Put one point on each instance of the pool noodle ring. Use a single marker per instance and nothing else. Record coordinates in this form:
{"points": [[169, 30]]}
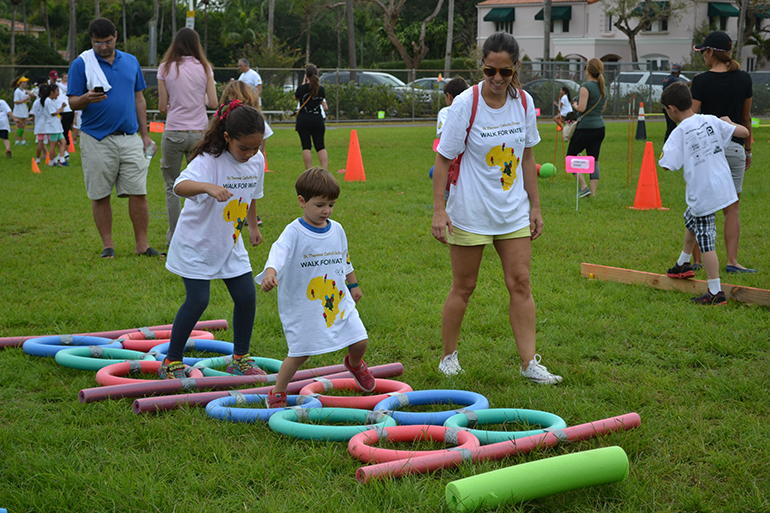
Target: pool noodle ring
{"points": [[469, 419], [471, 400], [269, 365], [211, 346], [49, 346], [227, 408], [385, 387], [113, 374], [93, 358], [287, 422], [360, 446], [145, 340]]}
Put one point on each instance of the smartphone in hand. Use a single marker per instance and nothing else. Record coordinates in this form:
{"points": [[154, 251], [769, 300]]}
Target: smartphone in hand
{"points": [[99, 89]]}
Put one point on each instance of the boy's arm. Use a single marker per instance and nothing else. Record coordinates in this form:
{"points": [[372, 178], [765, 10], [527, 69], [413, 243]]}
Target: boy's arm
{"points": [[740, 130], [270, 280], [255, 237], [355, 290]]}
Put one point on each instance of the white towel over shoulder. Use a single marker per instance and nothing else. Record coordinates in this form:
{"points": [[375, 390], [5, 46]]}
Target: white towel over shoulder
{"points": [[94, 74]]}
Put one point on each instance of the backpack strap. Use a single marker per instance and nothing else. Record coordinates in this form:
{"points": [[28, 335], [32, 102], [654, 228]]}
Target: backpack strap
{"points": [[474, 107], [523, 101]]}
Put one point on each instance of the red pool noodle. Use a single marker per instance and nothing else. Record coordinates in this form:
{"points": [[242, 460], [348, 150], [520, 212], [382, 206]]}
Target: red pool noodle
{"points": [[169, 402], [497, 451], [220, 324]]}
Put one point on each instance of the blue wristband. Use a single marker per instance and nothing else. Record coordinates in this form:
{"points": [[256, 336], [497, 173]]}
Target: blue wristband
{"points": [[351, 286]]}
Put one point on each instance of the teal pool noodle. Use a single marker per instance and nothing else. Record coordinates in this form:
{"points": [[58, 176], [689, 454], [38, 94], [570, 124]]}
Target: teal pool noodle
{"points": [[527, 481]]}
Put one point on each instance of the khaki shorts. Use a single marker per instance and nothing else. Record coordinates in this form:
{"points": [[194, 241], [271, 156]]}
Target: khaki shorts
{"points": [[463, 238], [116, 160]]}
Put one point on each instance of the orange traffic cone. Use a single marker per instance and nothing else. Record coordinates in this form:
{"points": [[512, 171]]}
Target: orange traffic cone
{"points": [[647, 190], [641, 130], [47, 159], [267, 169], [71, 147], [439, 77], [35, 168], [354, 170]]}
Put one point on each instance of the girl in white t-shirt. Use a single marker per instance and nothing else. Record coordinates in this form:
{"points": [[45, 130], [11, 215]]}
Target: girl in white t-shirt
{"points": [[50, 109], [565, 105], [493, 201], [5, 126], [20, 98], [221, 185]]}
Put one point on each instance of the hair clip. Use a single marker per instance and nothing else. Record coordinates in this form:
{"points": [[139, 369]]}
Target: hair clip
{"points": [[226, 108]]}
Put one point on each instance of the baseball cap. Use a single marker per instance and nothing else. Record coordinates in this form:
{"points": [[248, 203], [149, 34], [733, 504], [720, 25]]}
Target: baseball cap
{"points": [[22, 79], [676, 67], [53, 74], [717, 41]]}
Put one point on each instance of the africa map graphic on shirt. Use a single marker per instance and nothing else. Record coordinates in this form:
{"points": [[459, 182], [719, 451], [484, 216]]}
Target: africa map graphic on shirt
{"points": [[507, 161], [235, 212], [326, 291]]}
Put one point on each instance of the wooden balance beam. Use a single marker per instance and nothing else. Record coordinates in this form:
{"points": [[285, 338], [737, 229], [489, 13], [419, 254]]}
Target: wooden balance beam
{"points": [[747, 295]]}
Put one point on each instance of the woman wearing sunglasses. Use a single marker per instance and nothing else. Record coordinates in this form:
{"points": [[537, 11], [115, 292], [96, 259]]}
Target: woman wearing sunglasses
{"points": [[589, 133], [493, 201]]}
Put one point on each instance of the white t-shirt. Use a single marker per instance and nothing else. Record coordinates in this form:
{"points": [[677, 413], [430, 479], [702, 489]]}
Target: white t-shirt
{"points": [[52, 119], [489, 197], [20, 110], [317, 311], [698, 144], [63, 96], [5, 123], [564, 106], [441, 120], [41, 124], [252, 78], [207, 242]]}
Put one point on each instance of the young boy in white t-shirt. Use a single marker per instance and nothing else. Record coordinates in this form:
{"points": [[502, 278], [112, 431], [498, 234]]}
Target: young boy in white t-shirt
{"points": [[698, 145], [309, 264], [451, 90]]}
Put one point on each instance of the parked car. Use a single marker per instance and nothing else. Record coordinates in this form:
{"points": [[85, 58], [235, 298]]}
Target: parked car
{"points": [[373, 78], [544, 91], [428, 83], [646, 84]]}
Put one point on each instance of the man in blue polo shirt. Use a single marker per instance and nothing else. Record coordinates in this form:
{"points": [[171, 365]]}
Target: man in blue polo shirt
{"points": [[107, 84]]}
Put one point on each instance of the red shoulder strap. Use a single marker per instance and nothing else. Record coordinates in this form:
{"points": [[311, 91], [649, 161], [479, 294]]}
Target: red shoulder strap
{"points": [[523, 101], [474, 107]]}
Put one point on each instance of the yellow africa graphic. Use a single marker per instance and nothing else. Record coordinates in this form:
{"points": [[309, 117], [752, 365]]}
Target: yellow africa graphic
{"points": [[326, 291], [235, 212], [507, 161]]}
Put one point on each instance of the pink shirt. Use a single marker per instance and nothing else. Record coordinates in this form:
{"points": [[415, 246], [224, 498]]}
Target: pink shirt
{"points": [[186, 94]]}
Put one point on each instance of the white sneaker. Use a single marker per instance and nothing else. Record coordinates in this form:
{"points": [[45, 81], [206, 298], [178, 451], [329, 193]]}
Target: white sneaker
{"points": [[539, 374], [449, 365]]}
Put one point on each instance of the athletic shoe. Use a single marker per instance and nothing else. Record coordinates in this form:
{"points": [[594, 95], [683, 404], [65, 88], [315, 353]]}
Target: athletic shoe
{"points": [[259, 221], [710, 299], [584, 192], [16, 143], [64, 163], [276, 400], [171, 370], [362, 375], [244, 366], [697, 267], [539, 374], [23, 143], [681, 271], [449, 365], [8, 153]]}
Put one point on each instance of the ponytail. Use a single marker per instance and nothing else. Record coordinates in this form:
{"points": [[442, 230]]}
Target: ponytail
{"points": [[311, 72], [595, 68]]}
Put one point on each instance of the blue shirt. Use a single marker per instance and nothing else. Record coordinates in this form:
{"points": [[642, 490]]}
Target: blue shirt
{"points": [[118, 111]]}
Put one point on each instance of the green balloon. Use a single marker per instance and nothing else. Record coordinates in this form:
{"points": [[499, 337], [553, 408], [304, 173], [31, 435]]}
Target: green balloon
{"points": [[547, 170]]}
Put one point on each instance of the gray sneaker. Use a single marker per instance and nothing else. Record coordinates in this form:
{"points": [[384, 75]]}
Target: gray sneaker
{"points": [[584, 192], [449, 365], [539, 374]]}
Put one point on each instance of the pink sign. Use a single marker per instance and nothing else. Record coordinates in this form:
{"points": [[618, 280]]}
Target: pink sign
{"points": [[435, 144], [537, 112], [579, 164]]}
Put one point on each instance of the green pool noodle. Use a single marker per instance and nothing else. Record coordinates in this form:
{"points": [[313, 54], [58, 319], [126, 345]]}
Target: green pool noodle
{"points": [[528, 481]]}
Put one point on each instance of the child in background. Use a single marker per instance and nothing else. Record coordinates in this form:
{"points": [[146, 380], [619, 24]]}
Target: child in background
{"points": [[222, 184], [5, 126], [451, 90], [565, 105], [309, 264], [20, 98], [40, 129], [50, 109], [239, 90], [698, 144]]}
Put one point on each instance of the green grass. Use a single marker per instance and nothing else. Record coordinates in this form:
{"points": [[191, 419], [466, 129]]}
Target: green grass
{"points": [[697, 376]]}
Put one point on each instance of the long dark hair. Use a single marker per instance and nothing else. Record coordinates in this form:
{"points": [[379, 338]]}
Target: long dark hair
{"points": [[186, 43], [237, 120], [311, 72], [503, 42], [44, 91]]}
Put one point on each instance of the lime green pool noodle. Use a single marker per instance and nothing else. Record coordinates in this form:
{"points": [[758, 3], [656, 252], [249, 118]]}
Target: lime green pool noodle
{"points": [[527, 481]]}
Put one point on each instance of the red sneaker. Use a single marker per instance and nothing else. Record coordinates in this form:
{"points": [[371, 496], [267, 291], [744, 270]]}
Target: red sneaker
{"points": [[362, 375]]}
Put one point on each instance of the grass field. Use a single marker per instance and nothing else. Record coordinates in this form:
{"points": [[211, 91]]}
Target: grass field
{"points": [[697, 376]]}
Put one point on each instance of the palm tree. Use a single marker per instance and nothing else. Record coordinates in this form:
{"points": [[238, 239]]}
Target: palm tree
{"points": [[72, 39], [450, 28], [15, 4]]}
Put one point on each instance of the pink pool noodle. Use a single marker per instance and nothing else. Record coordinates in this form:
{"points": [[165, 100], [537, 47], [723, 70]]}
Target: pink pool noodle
{"points": [[497, 451]]}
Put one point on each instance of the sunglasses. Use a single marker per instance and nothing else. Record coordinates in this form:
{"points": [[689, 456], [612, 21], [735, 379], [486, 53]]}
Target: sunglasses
{"points": [[504, 72]]}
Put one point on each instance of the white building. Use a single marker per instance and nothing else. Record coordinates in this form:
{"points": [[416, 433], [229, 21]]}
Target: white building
{"points": [[581, 29]]}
